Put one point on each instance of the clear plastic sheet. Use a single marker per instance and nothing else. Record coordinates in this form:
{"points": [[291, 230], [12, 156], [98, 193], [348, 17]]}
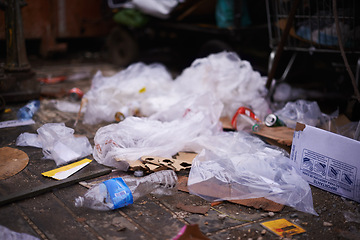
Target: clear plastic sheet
{"points": [[135, 137], [302, 111], [150, 89], [239, 166], [230, 79], [156, 8], [7, 234], [128, 88], [58, 143]]}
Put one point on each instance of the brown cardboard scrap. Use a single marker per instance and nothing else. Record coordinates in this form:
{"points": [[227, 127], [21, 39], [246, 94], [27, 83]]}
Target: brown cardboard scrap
{"points": [[257, 203], [260, 203], [182, 160], [282, 135], [190, 232], [226, 123], [12, 161], [194, 209]]}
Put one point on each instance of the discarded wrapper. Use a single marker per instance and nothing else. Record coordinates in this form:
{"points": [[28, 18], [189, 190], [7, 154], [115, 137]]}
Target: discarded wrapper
{"points": [[283, 227], [66, 171]]}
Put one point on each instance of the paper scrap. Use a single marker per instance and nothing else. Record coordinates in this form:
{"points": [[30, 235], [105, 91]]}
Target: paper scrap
{"points": [[16, 123], [283, 227], [66, 171]]}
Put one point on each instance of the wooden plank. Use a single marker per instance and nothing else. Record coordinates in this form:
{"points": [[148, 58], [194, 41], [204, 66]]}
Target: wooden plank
{"points": [[53, 219], [109, 224], [31, 192], [12, 218]]}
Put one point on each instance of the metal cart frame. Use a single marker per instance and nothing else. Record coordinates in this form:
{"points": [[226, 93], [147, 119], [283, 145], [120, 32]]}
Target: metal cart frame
{"points": [[311, 26]]}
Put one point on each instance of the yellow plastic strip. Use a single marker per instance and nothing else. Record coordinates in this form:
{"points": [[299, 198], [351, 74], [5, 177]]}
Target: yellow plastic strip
{"points": [[66, 171]]}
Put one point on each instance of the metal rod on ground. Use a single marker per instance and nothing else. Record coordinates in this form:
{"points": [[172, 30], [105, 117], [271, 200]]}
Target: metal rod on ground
{"points": [[32, 192]]}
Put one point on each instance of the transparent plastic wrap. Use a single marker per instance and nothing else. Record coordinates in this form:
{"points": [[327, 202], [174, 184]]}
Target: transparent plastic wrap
{"points": [[128, 88], [351, 130], [302, 111], [230, 79], [239, 166], [206, 103], [135, 137], [156, 8], [7, 234], [58, 143], [150, 89]]}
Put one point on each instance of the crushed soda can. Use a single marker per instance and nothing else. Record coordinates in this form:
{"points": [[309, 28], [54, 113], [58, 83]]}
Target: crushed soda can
{"points": [[75, 94], [272, 120]]}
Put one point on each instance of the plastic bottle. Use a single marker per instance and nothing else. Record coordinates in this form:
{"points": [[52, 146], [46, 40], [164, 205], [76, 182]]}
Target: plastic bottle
{"points": [[120, 192], [28, 111]]}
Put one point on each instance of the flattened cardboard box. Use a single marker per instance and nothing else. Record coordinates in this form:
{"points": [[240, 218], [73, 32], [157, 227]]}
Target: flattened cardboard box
{"points": [[327, 160]]}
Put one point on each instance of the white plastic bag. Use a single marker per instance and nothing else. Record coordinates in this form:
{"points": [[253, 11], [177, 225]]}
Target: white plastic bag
{"points": [[230, 79], [156, 8], [57, 142], [135, 137], [302, 111], [150, 89], [239, 166], [128, 88], [7, 234]]}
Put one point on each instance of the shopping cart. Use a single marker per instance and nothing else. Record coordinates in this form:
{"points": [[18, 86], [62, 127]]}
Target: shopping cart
{"points": [[312, 26]]}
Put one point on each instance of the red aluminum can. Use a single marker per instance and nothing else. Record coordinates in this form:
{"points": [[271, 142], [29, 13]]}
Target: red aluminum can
{"points": [[75, 94]]}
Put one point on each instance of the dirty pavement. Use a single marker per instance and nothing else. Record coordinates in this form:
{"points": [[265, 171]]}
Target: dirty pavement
{"points": [[154, 150]]}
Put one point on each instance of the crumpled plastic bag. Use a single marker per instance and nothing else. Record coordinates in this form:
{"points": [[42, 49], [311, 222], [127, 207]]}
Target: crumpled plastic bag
{"points": [[231, 79], [7, 234], [206, 103], [135, 137], [303, 111], [124, 90], [236, 165], [150, 89], [155, 8], [58, 143]]}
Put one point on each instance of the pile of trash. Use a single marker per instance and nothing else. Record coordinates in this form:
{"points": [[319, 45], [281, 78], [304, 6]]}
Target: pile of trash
{"points": [[150, 89], [162, 116]]}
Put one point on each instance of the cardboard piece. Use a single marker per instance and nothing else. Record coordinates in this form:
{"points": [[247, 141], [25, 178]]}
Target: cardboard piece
{"points": [[327, 160], [12, 161], [182, 160], [190, 232], [282, 135], [193, 209], [283, 227], [257, 203]]}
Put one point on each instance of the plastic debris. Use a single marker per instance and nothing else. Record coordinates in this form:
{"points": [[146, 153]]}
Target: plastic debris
{"points": [[28, 111], [120, 192], [302, 111], [150, 89], [58, 143], [6, 233], [156, 8], [242, 166], [191, 231]]}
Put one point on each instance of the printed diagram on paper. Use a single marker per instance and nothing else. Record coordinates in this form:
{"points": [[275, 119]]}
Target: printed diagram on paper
{"points": [[329, 173]]}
